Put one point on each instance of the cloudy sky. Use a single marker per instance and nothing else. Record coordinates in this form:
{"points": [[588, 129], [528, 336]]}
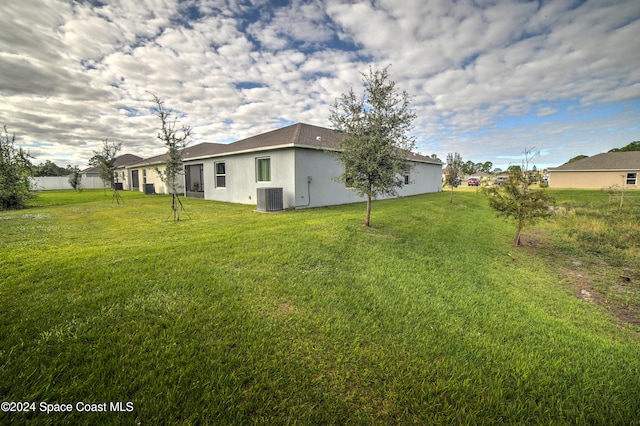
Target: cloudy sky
{"points": [[488, 78]]}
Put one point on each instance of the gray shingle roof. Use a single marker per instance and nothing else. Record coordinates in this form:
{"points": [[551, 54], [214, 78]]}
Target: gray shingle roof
{"points": [[608, 161], [297, 135], [121, 161], [204, 148]]}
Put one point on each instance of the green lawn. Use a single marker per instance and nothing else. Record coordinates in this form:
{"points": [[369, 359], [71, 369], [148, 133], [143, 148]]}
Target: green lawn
{"points": [[307, 317]]}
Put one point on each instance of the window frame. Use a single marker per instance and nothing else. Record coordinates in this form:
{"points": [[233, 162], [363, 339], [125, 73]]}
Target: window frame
{"points": [[407, 179], [632, 178], [259, 160], [218, 175]]}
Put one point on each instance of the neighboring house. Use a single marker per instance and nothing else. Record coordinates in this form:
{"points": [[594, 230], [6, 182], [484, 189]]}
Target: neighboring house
{"points": [[600, 171], [295, 159], [144, 176], [120, 164]]}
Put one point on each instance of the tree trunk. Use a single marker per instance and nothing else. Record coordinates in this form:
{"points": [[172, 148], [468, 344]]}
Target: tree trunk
{"points": [[451, 199], [516, 242], [367, 222], [174, 206]]}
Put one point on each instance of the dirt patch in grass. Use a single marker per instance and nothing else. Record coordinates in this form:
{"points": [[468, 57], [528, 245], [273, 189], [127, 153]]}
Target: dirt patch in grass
{"points": [[590, 278], [586, 284]]}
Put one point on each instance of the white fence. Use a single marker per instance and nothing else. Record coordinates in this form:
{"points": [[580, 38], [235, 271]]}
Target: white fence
{"points": [[45, 183]]}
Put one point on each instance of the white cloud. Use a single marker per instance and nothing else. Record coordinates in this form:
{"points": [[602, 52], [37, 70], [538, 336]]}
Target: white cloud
{"points": [[74, 74]]}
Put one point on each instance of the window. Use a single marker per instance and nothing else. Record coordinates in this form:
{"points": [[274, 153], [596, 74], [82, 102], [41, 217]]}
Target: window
{"points": [[632, 178], [263, 166], [406, 179], [144, 176], [221, 175]]}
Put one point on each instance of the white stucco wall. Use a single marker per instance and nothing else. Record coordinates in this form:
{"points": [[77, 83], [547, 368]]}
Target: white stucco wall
{"points": [[290, 169], [241, 176], [324, 190]]}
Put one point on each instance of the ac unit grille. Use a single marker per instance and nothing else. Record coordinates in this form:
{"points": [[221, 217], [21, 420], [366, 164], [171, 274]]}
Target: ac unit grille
{"points": [[270, 199]]}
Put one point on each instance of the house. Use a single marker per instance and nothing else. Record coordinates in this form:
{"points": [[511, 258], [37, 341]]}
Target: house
{"points": [[121, 162], [295, 162], [600, 171], [144, 176]]}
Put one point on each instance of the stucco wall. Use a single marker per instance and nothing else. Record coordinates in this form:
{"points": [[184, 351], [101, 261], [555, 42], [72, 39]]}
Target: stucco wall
{"points": [[324, 190], [290, 169], [153, 177], [241, 180], [589, 180]]}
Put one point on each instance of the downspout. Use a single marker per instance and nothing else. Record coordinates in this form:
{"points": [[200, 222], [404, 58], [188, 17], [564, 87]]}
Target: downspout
{"points": [[308, 193]]}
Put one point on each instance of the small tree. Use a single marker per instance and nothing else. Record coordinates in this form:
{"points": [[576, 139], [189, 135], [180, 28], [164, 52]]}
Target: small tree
{"points": [[75, 178], [105, 160], [452, 175], [375, 151], [15, 171], [175, 139], [516, 200]]}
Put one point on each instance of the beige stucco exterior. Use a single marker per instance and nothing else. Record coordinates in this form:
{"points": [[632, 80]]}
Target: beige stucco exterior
{"points": [[591, 179], [149, 175]]}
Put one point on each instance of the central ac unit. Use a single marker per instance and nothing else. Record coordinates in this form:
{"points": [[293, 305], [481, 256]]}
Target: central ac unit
{"points": [[270, 199]]}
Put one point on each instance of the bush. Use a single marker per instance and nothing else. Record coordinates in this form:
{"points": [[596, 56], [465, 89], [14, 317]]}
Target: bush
{"points": [[15, 170]]}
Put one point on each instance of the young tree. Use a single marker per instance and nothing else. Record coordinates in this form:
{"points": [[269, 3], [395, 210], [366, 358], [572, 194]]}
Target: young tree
{"points": [[452, 175], [375, 151], [15, 171], [75, 178], [516, 200], [105, 160], [176, 140]]}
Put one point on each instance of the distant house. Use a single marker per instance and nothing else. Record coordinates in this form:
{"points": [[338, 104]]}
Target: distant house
{"points": [[599, 171], [294, 162], [144, 177], [120, 164]]}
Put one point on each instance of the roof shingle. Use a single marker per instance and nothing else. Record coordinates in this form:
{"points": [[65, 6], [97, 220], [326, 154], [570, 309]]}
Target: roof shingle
{"points": [[610, 161]]}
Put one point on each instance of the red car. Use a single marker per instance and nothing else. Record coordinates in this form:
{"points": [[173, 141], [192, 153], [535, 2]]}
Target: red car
{"points": [[473, 182]]}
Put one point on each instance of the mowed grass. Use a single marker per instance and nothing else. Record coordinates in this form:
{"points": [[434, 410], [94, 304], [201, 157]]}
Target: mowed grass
{"points": [[305, 317]]}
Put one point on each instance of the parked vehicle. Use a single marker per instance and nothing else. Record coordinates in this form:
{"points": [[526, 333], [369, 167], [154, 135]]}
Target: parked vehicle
{"points": [[473, 181], [500, 180]]}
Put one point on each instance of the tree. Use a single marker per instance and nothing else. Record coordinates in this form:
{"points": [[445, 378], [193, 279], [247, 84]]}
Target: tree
{"points": [[49, 168], [576, 158], [105, 160], [633, 146], [15, 171], [452, 174], [75, 178], [375, 151], [468, 168], [175, 139], [486, 167], [516, 200]]}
